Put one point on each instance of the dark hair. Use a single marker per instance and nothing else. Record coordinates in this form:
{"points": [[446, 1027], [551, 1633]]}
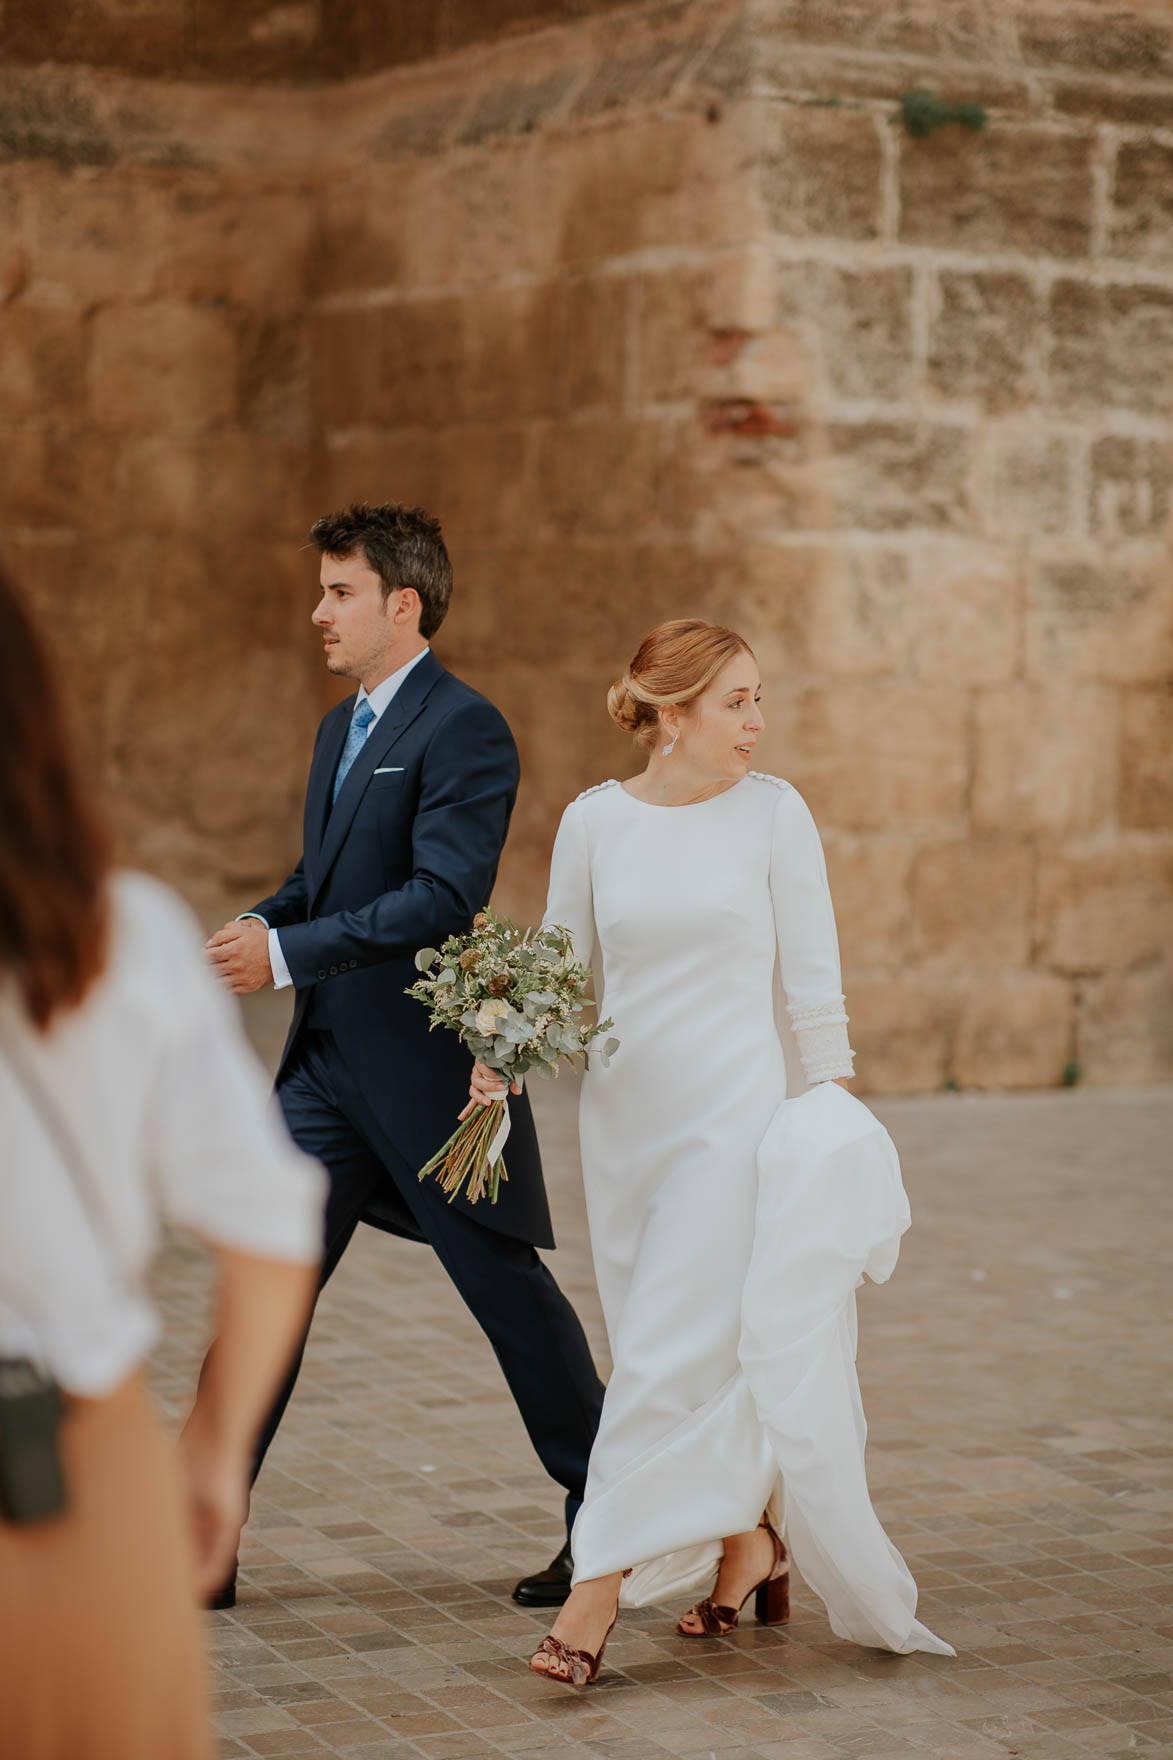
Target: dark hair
{"points": [[403, 545], [54, 852]]}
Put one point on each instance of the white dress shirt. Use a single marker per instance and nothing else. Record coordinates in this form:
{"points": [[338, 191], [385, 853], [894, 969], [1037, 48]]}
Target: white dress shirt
{"points": [[379, 699], [172, 1117]]}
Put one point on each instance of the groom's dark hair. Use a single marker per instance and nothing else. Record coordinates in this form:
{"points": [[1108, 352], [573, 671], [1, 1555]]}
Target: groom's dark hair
{"points": [[403, 546]]}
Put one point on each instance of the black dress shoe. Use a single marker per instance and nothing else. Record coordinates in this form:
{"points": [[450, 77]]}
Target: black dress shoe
{"points": [[548, 1588], [224, 1596]]}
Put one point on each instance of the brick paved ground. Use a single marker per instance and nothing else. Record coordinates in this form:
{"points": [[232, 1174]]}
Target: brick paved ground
{"points": [[1016, 1378]]}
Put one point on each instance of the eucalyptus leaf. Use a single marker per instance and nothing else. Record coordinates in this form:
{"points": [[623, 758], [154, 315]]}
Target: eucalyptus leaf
{"points": [[447, 976], [427, 956]]}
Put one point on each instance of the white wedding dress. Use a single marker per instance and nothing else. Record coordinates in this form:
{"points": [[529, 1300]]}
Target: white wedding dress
{"points": [[729, 1224]]}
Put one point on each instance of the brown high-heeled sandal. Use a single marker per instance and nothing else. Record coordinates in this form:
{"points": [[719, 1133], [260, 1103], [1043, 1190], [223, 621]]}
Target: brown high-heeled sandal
{"points": [[771, 1599], [576, 1668], [579, 1668]]}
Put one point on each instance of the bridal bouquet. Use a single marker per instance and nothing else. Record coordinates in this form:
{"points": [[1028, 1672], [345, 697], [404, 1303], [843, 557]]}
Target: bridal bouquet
{"points": [[515, 999]]}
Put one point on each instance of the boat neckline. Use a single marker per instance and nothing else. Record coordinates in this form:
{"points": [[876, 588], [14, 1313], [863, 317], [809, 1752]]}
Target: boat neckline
{"points": [[682, 806]]}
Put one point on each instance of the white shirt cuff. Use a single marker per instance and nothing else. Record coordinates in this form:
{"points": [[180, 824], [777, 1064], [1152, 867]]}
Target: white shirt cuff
{"points": [[281, 977]]}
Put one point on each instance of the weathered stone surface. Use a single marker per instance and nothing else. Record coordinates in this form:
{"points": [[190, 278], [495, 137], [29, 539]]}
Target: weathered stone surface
{"points": [[900, 476], [219, 484], [942, 612], [645, 73], [513, 109], [169, 364], [984, 337], [858, 617], [1030, 480], [1014, 1031], [662, 180], [594, 477], [1134, 41], [965, 622], [42, 359], [869, 887], [753, 469], [1109, 619], [1099, 101], [1131, 490], [821, 173], [420, 370], [914, 736], [971, 904], [1146, 760], [1106, 909], [253, 38], [764, 591], [204, 227], [495, 232], [273, 376], [1124, 1027], [918, 27], [962, 190], [1105, 340], [708, 329], [1142, 203], [1046, 758], [902, 1030], [857, 325], [40, 475]]}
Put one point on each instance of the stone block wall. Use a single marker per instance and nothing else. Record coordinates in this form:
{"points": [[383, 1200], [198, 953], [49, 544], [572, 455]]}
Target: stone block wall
{"points": [[983, 564], [155, 451], [664, 313]]}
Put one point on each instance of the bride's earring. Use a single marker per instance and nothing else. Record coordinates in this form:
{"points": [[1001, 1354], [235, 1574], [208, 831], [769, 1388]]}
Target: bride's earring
{"points": [[668, 750]]}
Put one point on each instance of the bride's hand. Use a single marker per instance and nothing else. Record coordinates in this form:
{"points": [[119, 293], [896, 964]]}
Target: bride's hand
{"points": [[486, 1087]]}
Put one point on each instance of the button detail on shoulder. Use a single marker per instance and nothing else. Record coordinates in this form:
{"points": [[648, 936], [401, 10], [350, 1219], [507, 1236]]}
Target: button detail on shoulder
{"points": [[611, 782], [777, 781]]}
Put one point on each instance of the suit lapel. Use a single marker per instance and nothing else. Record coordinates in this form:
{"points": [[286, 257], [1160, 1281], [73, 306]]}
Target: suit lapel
{"points": [[321, 777], [409, 702]]}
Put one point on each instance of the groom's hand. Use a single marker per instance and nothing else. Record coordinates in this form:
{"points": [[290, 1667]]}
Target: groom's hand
{"points": [[239, 954]]}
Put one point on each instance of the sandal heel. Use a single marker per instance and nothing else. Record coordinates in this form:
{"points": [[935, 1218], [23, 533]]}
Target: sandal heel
{"points": [[772, 1601]]}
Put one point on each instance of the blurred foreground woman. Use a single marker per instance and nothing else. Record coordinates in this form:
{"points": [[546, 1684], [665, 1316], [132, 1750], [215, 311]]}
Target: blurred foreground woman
{"points": [[128, 1096]]}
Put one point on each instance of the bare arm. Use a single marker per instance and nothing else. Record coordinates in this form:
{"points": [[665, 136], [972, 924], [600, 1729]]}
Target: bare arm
{"points": [[261, 1312]]}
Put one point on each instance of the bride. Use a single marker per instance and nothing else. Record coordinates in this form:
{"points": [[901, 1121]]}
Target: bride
{"points": [[693, 883]]}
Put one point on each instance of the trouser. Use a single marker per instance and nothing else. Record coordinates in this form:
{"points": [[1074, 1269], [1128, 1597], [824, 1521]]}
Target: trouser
{"points": [[537, 1336]]}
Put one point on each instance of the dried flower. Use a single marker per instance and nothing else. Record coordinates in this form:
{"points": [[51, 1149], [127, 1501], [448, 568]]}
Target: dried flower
{"points": [[530, 1020]]}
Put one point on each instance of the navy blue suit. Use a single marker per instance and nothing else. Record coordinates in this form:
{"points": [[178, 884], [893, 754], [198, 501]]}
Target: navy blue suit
{"points": [[405, 857]]}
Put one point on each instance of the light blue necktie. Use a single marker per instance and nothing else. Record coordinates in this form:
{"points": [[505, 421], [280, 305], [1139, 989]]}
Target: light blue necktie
{"points": [[356, 739]]}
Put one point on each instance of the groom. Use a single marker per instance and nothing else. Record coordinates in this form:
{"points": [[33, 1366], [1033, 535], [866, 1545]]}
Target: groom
{"points": [[411, 787]]}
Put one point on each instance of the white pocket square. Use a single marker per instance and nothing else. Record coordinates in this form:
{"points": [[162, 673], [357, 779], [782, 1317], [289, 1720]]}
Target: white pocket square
{"points": [[389, 770]]}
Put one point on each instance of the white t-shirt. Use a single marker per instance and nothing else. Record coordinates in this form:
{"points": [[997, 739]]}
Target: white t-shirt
{"points": [[170, 1111]]}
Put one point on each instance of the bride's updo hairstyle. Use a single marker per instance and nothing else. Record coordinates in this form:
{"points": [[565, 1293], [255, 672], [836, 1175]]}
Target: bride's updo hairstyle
{"points": [[672, 666]]}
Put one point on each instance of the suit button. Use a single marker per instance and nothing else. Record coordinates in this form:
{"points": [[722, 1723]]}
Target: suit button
{"points": [[333, 971], [354, 965], [321, 974]]}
